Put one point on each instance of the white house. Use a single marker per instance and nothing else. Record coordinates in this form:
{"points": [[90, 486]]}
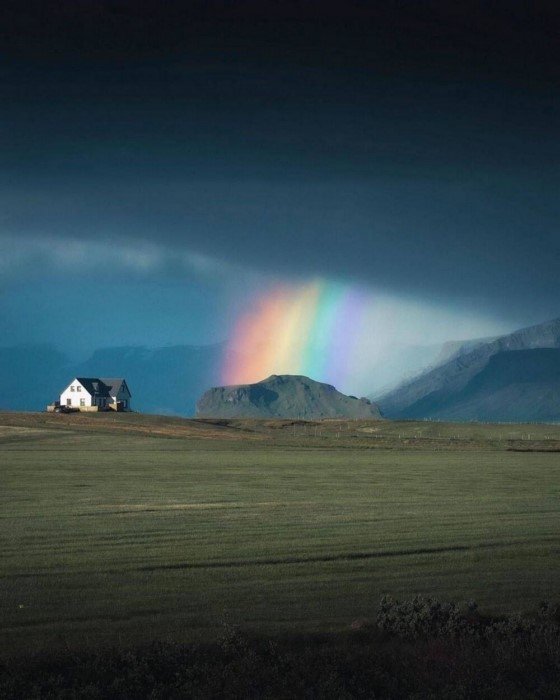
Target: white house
{"points": [[96, 394]]}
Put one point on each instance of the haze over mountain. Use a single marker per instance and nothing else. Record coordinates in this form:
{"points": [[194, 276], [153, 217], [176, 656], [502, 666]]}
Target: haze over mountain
{"points": [[399, 362], [283, 396], [513, 377]]}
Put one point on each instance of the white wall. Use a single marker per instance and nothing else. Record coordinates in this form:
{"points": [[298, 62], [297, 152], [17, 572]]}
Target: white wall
{"points": [[75, 396]]}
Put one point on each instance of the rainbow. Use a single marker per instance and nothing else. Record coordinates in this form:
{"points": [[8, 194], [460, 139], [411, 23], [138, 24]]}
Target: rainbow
{"points": [[317, 329]]}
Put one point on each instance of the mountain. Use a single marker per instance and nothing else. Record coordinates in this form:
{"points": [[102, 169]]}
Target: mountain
{"points": [[455, 348], [165, 381], [283, 396], [445, 391], [30, 376], [162, 380], [516, 386]]}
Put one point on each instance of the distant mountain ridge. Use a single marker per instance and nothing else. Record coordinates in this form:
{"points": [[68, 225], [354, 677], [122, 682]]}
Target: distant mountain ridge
{"points": [[473, 383], [163, 380], [283, 396], [517, 386], [31, 375], [441, 391], [454, 348]]}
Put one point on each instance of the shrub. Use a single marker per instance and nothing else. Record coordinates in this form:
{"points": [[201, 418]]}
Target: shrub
{"points": [[426, 649], [427, 617]]}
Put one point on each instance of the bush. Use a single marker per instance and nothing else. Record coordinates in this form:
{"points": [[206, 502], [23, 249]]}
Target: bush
{"points": [[427, 618], [422, 649]]}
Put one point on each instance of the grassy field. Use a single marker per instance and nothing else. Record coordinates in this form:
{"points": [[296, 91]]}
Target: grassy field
{"points": [[121, 529]]}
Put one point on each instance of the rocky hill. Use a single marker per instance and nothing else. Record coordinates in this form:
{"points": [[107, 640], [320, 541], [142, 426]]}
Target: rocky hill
{"points": [[442, 392], [283, 396]]}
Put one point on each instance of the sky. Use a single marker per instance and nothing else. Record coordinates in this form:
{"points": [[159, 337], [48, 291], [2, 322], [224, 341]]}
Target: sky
{"points": [[165, 166]]}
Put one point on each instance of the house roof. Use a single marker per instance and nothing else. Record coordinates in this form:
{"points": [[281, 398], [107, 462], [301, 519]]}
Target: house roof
{"points": [[94, 386], [105, 386], [113, 383]]}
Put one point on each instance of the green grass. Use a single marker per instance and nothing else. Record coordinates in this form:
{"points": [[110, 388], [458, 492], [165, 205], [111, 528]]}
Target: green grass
{"points": [[124, 538]]}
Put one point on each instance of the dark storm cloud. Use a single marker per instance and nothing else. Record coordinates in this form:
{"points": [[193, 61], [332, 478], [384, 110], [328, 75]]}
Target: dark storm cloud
{"points": [[413, 146]]}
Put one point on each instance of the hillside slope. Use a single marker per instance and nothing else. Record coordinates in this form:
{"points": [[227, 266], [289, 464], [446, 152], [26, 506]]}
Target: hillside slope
{"points": [[448, 391], [283, 396], [522, 385]]}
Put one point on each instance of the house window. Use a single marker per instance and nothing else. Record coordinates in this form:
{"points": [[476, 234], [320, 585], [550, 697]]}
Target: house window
{"points": [[68, 402], [72, 388], [78, 388], [82, 402]]}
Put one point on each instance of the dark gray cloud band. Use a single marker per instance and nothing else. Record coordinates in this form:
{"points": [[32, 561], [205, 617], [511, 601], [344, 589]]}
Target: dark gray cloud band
{"points": [[414, 152]]}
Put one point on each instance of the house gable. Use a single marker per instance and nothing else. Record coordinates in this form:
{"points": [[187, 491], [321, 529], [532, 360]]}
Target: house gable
{"points": [[79, 393], [79, 385]]}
